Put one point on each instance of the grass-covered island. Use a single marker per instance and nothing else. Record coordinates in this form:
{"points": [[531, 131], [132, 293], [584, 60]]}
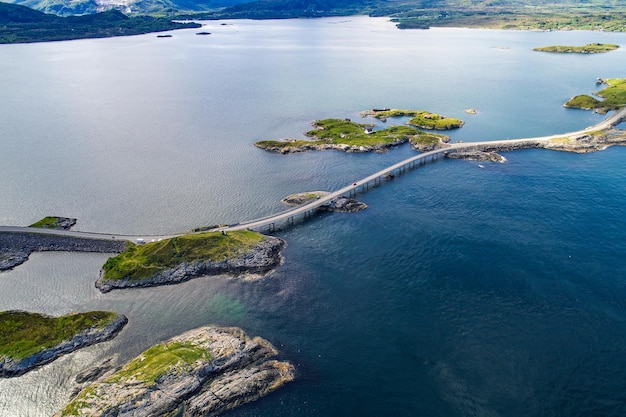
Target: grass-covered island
{"points": [[419, 118], [614, 97], [348, 136], [591, 48], [28, 340], [202, 372], [181, 258]]}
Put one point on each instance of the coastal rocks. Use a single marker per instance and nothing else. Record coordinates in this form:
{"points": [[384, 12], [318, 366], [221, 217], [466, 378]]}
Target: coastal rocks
{"points": [[477, 156], [16, 247], [260, 259], [299, 146], [12, 368], [301, 198], [344, 205], [588, 142], [201, 372]]}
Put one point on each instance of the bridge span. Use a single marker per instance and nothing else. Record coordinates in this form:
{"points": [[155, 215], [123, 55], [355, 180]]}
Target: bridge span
{"points": [[415, 162], [350, 190]]}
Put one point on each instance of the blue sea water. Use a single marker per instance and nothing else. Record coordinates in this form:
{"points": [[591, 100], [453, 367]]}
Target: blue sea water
{"points": [[465, 289]]}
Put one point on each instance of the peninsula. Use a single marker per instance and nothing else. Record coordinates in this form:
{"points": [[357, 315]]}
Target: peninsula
{"points": [[614, 97], [181, 258], [29, 340], [202, 372]]}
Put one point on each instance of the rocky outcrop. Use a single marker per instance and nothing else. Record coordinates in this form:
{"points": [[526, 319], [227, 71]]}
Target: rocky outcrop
{"points": [[222, 369], [16, 247], [590, 142], [260, 259], [477, 156], [299, 147], [12, 368], [301, 198], [344, 205]]}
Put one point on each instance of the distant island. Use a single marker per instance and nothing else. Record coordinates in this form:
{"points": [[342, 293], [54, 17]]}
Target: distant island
{"points": [[614, 97], [29, 340], [202, 372], [591, 48], [348, 136], [179, 259]]}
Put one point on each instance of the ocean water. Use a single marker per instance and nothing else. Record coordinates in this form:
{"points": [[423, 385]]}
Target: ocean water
{"points": [[464, 289]]}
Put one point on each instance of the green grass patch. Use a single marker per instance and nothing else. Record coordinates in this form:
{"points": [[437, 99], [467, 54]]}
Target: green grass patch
{"points": [[421, 118], [159, 360], [147, 368], [346, 132], [614, 97], [47, 222], [139, 262], [592, 48], [23, 334], [427, 139]]}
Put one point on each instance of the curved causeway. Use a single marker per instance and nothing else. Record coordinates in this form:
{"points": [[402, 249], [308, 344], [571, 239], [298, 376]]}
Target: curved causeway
{"points": [[423, 158], [363, 184]]}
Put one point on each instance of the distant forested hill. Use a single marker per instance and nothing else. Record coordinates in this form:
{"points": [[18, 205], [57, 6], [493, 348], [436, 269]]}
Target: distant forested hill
{"points": [[408, 14], [20, 24]]}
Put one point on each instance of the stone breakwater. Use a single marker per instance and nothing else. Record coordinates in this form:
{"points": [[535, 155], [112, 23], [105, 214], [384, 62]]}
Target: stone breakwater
{"points": [[12, 368], [233, 369], [15, 248], [260, 259]]}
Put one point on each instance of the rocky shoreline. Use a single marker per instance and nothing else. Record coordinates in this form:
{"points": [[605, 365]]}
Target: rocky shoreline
{"points": [[227, 368], [12, 368], [300, 147], [260, 259], [15, 248]]}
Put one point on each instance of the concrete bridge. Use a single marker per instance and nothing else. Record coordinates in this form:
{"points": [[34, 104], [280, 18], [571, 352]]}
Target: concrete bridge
{"points": [[289, 216], [415, 162]]}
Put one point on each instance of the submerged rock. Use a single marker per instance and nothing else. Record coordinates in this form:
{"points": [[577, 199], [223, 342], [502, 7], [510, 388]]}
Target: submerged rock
{"points": [[201, 372]]}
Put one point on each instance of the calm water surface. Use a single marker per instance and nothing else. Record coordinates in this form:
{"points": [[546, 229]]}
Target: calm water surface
{"points": [[463, 290]]}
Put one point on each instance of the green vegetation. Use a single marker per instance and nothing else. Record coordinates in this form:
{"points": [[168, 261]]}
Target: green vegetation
{"points": [[48, 222], [346, 132], [23, 334], [161, 359], [19, 24], [592, 48], [421, 119], [614, 97], [139, 262]]}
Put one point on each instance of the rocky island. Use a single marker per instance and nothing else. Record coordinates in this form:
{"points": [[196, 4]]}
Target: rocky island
{"points": [[202, 372], [591, 48], [29, 340], [348, 136], [340, 204], [179, 259]]}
